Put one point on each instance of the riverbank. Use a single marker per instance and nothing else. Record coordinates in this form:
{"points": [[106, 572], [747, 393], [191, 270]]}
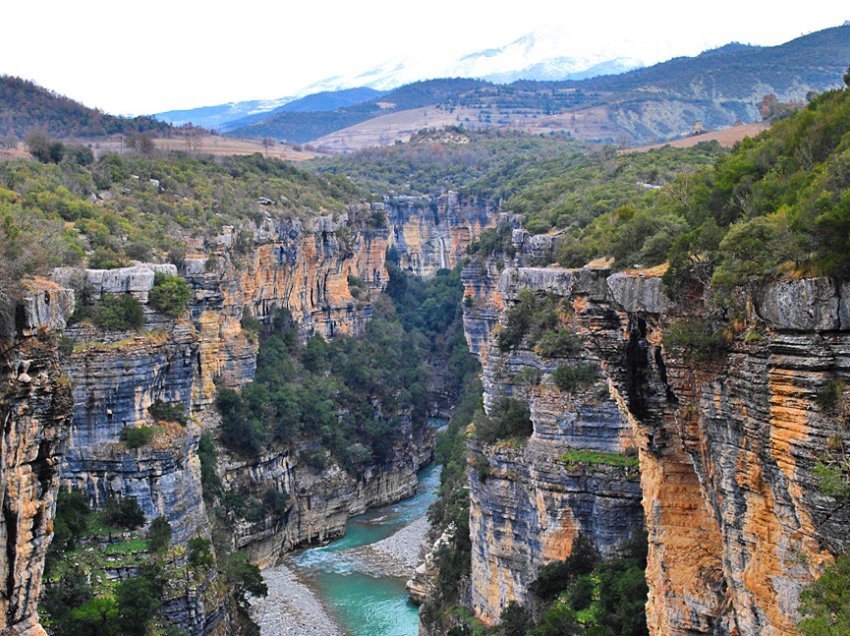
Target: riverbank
{"points": [[291, 608], [354, 586]]}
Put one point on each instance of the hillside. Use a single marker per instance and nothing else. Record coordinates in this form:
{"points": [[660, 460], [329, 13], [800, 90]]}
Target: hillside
{"points": [[719, 87], [26, 106], [305, 126]]}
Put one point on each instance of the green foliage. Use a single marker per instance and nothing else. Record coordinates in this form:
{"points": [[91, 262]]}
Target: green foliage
{"points": [[591, 457], [123, 512], [701, 339], [557, 576], [117, 312], [44, 149], [243, 578], [137, 436], [583, 595], [569, 378], [558, 344], [830, 394], [208, 457], [825, 603], [514, 620], [832, 480], [159, 534], [138, 603], [71, 521], [168, 412], [532, 314], [200, 553], [508, 418], [170, 294]]}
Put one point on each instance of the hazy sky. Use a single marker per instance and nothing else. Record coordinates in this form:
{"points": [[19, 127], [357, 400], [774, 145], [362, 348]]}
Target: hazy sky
{"points": [[153, 55]]}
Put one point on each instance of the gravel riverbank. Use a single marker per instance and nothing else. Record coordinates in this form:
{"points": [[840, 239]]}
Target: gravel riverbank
{"points": [[291, 608]]}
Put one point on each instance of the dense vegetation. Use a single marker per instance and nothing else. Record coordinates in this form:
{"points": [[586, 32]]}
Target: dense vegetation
{"points": [[122, 208], [81, 599], [473, 162], [27, 107]]}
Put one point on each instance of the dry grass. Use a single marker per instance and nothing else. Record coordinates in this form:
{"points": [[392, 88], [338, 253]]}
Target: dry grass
{"points": [[727, 137]]}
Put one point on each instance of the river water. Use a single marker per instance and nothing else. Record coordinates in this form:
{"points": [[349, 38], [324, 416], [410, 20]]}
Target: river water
{"points": [[359, 581]]}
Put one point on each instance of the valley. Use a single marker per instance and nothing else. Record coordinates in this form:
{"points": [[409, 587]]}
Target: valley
{"points": [[554, 357]]}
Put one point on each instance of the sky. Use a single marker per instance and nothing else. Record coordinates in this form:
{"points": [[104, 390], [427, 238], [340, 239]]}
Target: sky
{"points": [[154, 55]]}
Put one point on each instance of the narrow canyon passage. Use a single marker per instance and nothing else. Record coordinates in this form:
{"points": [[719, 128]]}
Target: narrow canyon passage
{"points": [[354, 585]]}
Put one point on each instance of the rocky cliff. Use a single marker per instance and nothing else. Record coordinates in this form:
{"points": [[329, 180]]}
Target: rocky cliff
{"points": [[35, 407], [732, 445], [530, 500], [324, 270], [431, 233]]}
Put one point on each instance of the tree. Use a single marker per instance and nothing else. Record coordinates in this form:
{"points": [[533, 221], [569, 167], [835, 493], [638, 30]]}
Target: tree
{"points": [[138, 603], [123, 512], [44, 149], [200, 553], [825, 603], [159, 534], [170, 294], [244, 578], [847, 77]]}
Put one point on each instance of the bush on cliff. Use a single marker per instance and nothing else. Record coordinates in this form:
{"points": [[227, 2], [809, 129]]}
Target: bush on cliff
{"points": [[532, 314], [825, 603], [508, 418], [569, 378], [123, 512], [137, 436], [117, 312], [170, 294]]}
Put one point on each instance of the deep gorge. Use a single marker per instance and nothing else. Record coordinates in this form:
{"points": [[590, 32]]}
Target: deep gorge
{"points": [[657, 448]]}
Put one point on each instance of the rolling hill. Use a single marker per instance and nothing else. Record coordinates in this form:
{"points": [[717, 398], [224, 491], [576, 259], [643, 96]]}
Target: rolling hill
{"points": [[719, 87], [26, 106]]}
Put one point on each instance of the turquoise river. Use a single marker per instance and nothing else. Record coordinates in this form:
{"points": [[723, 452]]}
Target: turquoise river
{"points": [[363, 601]]}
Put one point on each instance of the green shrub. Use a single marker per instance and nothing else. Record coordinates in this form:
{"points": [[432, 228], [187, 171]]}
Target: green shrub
{"points": [[168, 412], [532, 314], [118, 312], [825, 603], [123, 512], [170, 294], [508, 418], [200, 553], [71, 521], [832, 481], [243, 578], [514, 620], [159, 535], [829, 395], [560, 343], [701, 340], [569, 378], [555, 577], [591, 457], [208, 457], [138, 603], [137, 436]]}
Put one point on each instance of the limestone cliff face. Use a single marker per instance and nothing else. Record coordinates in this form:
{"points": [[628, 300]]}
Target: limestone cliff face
{"points": [[35, 408], [431, 233], [727, 445], [320, 500], [527, 504]]}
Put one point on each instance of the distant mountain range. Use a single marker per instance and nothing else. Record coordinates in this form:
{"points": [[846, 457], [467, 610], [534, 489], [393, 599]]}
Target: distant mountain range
{"points": [[533, 57], [718, 87]]}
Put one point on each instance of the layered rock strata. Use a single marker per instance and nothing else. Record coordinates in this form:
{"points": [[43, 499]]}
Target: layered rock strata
{"points": [[35, 408], [731, 443]]}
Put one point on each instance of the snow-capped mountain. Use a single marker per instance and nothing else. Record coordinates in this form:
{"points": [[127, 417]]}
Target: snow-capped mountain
{"points": [[534, 56]]}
